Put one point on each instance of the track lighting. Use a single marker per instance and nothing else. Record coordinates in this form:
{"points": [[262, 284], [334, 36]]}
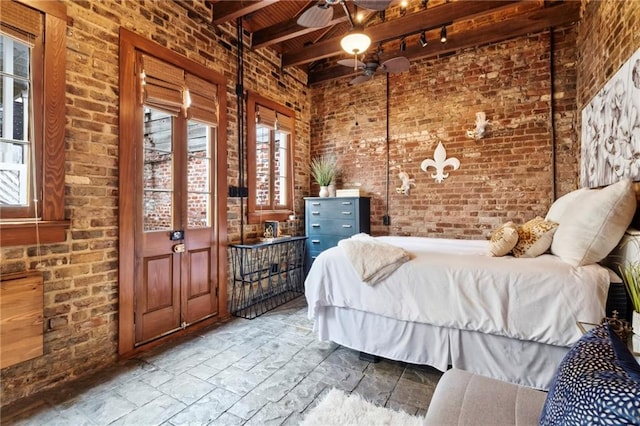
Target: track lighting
{"points": [[403, 45], [423, 3], [443, 34], [423, 39]]}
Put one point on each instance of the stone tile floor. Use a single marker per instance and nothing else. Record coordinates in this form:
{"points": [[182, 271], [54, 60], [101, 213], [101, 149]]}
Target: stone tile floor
{"points": [[267, 371]]}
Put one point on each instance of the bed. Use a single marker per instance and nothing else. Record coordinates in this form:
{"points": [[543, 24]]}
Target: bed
{"points": [[454, 305]]}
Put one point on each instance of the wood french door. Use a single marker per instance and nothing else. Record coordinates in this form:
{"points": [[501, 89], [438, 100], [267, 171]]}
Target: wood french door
{"points": [[172, 194], [174, 261]]}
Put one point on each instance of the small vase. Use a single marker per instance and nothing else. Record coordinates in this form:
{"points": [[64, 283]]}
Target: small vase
{"points": [[332, 190], [324, 192], [635, 322]]}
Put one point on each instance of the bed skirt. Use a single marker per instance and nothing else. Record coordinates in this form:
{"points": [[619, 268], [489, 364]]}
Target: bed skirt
{"points": [[522, 362]]}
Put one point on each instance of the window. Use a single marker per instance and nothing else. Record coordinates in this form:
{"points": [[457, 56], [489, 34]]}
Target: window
{"points": [[270, 142], [32, 46]]}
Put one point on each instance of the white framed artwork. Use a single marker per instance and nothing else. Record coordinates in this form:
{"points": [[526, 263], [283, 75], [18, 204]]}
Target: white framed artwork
{"points": [[611, 129]]}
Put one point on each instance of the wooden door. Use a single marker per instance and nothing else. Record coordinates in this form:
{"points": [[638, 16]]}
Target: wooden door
{"points": [[199, 281], [159, 236], [177, 284], [172, 194]]}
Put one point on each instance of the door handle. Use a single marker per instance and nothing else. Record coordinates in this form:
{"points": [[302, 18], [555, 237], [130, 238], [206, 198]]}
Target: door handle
{"points": [[179, 248]]}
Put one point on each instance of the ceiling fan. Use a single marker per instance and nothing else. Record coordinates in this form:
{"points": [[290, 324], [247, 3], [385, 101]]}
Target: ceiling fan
{"points": [[392, 66], [321, 14]]}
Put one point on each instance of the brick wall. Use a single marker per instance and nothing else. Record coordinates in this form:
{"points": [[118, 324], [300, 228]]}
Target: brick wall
{"points": [[607, 37], [506, 175], [81, 274]]}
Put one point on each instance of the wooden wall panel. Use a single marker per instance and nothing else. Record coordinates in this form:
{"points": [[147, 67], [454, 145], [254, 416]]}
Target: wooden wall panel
{"points": [[21, 317]]}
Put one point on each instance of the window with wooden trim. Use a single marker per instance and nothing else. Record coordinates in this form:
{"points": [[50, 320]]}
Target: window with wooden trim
{"points": [[270, 142], [32, 109]]}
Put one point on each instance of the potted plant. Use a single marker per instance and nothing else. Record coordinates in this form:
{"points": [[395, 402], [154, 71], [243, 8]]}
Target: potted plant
{"points": [[630, 272], [323, 171]]}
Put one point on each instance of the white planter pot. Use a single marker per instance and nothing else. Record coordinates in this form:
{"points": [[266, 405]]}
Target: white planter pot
{"points": [[324, 192], [635, 322]]}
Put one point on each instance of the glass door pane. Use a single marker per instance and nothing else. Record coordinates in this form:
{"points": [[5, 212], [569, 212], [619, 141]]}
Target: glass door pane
{"points": [[281, 168], [198, 175], [158, 171], [263, 166]]}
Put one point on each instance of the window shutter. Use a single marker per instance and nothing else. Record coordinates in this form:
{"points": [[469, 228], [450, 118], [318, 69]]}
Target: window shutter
{"points": [[163, 85], [21, 21], [204, 100], [265, 117]]}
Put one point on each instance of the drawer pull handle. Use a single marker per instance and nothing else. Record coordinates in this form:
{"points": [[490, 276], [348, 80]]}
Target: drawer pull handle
{"points": [[315, 213], [346, 203], [346, 226], [315, 203], [347, 213], [315, 225], [315, 241]]}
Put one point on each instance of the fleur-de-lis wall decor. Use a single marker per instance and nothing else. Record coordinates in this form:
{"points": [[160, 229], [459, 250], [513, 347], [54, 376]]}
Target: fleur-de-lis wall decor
{"points": [[439, 162]]}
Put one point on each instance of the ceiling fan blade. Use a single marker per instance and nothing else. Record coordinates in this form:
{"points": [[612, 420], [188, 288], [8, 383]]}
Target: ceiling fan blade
{"points": [[351, 62], [360, 79], [373, 4], [396, 65], [317, 16]]}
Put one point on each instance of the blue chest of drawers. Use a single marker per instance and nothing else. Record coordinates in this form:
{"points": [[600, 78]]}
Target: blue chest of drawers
{"points": [[329, 220]]}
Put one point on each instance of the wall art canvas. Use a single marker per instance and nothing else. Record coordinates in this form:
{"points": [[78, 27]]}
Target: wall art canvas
{"points": [[611, 129]]}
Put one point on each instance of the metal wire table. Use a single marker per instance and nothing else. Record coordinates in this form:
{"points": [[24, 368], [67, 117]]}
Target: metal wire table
{"points": [[266, 274]]}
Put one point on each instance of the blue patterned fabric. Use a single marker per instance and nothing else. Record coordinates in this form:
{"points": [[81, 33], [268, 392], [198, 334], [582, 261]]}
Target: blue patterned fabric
{"points": [[595, 384]]}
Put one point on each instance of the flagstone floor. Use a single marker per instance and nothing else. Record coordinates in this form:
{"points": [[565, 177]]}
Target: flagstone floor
{"points": [[267, 371]]}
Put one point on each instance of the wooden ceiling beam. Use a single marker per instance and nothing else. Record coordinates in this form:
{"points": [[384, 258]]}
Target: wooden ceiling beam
{"points": [[388, 30], [528, 23], [225, 11], [290, 29]]}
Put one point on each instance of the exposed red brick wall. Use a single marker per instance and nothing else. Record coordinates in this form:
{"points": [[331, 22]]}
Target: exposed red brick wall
{"points": [[506, 175], [608, 34], [81, 274]]}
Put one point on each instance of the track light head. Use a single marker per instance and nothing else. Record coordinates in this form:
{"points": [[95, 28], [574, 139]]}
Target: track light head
{"points": [[443, 34], [403, 45], [423, 39]]}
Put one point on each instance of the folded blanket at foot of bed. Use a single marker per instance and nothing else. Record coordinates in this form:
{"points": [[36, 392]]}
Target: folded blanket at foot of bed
{"points": [[373, 260]]}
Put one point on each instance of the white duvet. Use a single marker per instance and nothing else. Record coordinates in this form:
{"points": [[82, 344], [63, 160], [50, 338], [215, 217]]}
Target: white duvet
{"points": [[455, 284]]}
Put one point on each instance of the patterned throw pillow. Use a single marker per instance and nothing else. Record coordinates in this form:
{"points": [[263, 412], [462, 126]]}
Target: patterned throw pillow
{"points": [[534, 237], [503, 239], [593, 384]]}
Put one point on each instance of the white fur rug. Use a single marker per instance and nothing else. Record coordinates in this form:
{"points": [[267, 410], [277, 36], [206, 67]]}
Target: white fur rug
{"points": [[338, 408]]}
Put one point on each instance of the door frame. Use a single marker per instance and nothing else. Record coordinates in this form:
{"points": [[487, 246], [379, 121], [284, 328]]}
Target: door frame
{"points": [[130, 140]]}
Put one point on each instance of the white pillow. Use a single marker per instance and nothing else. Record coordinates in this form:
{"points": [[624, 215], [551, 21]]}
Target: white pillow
{"points": [[593, 223], [503, 239], [559, 206]]}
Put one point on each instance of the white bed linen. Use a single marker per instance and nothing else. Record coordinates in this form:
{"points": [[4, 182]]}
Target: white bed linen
{"points": [[456, 285], [517, 361]]}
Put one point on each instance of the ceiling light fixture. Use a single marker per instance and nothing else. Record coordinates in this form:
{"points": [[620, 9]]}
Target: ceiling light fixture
{"points": [[355, 43], [403, 7], [443, 34], [423, 39], [403, 45]]}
